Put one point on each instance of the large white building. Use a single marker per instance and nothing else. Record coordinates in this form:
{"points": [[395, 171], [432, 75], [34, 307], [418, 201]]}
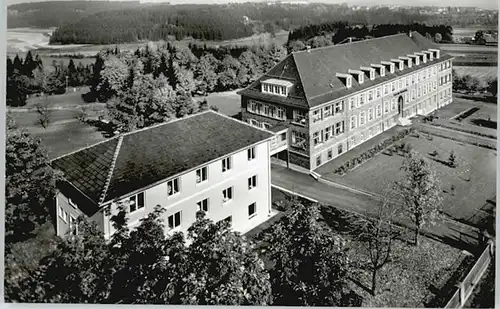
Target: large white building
{"points": [[207, 162], [326, 101]]}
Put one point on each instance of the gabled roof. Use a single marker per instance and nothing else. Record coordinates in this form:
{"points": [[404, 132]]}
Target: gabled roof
{"points": [[313, 72], [130, 162]]}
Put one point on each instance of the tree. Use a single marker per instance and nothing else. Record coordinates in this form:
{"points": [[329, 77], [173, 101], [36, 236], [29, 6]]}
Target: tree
{"points": [[452, 159], [377, 234], [44, 115], [228, 73], [428, 36], [479, 38], [438, 37], [29, 184], [74, 273], [205, 73], [252, 66], [296, 45], [310, 264], [493, 86], [420, 192], [112, 78], [222, 267]]}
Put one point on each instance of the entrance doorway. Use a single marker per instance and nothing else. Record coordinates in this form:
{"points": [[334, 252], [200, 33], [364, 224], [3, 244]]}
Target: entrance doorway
{"points": [[400, 105]]}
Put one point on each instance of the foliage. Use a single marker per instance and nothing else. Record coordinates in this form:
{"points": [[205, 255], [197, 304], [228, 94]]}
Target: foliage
{"points": [[377, 235], [419, 191], [217, 266], [310, 266], [43, 112], [452, 159], [29, 184], [370, 153]]}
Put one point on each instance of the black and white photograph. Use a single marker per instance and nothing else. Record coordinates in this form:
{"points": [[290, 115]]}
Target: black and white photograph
{"points": [[260, 153]]}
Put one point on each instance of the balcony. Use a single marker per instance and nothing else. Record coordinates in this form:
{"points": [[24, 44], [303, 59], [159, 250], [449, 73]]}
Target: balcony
{"points": [[280, 139]]}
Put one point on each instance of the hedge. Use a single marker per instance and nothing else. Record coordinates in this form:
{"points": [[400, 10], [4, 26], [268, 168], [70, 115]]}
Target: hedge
{"points": [[460, 140], [370, 153]]}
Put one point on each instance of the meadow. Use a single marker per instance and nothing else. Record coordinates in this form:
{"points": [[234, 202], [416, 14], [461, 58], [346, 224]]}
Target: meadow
{"points": [[481, 72]]}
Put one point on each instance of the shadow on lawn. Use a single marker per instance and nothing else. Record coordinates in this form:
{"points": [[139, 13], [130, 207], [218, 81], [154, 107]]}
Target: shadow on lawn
{"points": [[485, 123]]}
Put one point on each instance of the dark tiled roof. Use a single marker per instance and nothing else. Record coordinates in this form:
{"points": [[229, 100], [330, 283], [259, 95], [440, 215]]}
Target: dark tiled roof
{"points": [[147, 156], [279, 127], [314, 71]]}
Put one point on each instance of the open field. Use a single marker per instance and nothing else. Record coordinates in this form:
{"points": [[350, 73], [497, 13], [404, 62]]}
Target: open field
{"points": [[472, 55], [227, 102], [483, 72], [474, 163], [487, 112], [24, 39]]}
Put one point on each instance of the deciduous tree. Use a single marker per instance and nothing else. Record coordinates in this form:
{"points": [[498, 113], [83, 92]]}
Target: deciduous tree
{"points": [[419, 190]]}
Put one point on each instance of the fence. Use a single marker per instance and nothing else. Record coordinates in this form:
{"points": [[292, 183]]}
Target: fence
{"points": [[466, 287]]}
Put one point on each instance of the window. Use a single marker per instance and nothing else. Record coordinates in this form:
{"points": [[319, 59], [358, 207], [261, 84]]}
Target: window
{"points": [[339, 128], [201, 174], [266, 88], [252, 210], [62, 214], [386, 89], [378, 92], [339, 149], [328, 132], [353, 122], [339, 106], [73, 227], [370, 132], [252, 182], [251, 153], [392, 67], [316, 138], [352, 104], [136, 202], [327, 111], [173, 186], [370, 95], [299, 139], [361, 99], [393, 86], [401, 84], [281, 113], [372, 74], [382, 71], [362, 118], [379, 111], [283, 90], [316, 115], [299, 116], [370, 114], [203, 205], [330, 154], [226, 164], [318, 160], [71, 203], [349, 82], [386, 108], [174, 220], [254, 123], [227, 195]]}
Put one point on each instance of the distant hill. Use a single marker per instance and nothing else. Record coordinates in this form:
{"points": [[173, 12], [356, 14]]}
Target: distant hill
{"points": [[57, 13]]}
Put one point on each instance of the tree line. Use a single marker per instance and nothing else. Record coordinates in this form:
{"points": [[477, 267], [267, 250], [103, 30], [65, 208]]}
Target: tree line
{"points": [[327, 34], [224, 22], [471, 84], [28, 76], [158, 82]]}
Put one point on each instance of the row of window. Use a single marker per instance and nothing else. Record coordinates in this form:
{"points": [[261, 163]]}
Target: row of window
{"points": [[137, 201], [275, 89], [328, 133], [445, 79], [370, 115], [339, 149], [329, 110], [256, 123], [299, 140], [445, 65], [175, 220], [266, 110]]}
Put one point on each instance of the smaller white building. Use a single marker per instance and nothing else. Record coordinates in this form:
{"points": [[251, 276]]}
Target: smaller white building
{"points": [[207, 162]]}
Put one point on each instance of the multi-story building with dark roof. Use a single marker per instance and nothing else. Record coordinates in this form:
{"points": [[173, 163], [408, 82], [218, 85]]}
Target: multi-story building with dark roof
{"points": [[207, 162], [326, 101]]}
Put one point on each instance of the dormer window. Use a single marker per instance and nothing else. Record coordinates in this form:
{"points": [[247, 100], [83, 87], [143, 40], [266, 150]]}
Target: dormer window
{"points": [[276, 86], [369, 71], [382, 71], [346, 79], [360, 75], [392, 67], [436, 53], [424, 58]]}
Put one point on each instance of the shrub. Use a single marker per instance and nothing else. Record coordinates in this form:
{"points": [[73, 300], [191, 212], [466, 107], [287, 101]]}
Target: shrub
{"points": [[452, 159], [434, 153]]}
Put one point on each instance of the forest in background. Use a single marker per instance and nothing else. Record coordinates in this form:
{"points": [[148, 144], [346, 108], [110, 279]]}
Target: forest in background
{"points": [[99, 22]]}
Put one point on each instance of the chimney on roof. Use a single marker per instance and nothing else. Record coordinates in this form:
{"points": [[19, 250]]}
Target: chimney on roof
{"points": [[410, 35]]}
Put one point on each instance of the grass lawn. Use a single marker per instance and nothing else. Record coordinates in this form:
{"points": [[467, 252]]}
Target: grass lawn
{"points": [[478, 163], [229, 103], [483, 73], [63, 135], [422, 276], [66, 100]]}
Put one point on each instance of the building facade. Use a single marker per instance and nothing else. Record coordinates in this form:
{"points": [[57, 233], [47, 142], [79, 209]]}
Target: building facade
{"points": [[223, 169], [332, 99]]}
